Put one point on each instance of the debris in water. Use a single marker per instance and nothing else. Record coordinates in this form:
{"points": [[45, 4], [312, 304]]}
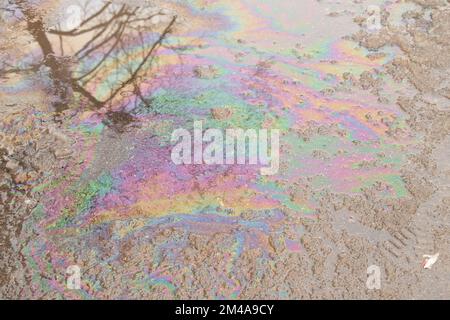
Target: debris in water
{"points": [[206, 72], [221, 113], [430, 260]]}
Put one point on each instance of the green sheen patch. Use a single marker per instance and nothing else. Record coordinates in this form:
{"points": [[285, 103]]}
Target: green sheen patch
{"points": [[320, 181], [329, 144], [91, 130], [84, 200], [64, 220], [199, 107], [395, 181], [171, 103], [94, 189], [38, 213]]}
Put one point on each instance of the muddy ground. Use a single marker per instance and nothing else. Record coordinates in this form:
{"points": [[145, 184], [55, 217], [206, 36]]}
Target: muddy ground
{"points": [[321, 254]]}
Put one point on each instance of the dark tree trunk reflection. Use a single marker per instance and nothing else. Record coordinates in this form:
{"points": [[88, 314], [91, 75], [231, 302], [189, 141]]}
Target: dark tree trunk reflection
{"points": [[108, 31]]}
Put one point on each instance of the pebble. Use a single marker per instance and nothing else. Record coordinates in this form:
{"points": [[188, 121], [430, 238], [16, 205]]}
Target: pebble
{"points": [[12, 165], [62, 153], [221, 113], [206, 72], [22, 177]]}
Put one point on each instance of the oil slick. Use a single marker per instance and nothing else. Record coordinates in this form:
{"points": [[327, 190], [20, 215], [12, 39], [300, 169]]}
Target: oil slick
{"points": [[235, 146]]}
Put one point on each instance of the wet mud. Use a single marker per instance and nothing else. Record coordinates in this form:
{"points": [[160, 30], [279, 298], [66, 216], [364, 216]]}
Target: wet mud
{"points": [[87, 179]]}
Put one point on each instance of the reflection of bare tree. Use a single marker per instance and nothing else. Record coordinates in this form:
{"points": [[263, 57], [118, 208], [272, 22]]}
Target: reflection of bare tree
{"points": [[101, 50]]}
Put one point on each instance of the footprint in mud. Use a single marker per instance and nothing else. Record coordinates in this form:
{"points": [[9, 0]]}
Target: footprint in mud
{"points": [[406, 247], [399, 249], [403, 248]]}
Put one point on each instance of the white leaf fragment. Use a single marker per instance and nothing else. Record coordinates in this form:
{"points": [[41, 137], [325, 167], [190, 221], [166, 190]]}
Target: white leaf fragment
{"points": [[430, 260]]}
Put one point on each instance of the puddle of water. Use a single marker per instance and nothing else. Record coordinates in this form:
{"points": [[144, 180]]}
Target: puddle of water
{"points": [[272, 64]]}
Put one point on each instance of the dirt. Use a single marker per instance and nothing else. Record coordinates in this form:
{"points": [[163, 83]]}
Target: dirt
{"points": [[222, 243]]}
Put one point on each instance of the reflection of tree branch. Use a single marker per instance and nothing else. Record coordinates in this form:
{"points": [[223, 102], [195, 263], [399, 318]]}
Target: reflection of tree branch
{"points": [[76, 87], [59, 73], [95, 37], [114, 34], [61, 45], [94, 15], [138, 92], [33, 68], [76, 32], [105, 56], [114, 30], [144, 61], [104, 41]]}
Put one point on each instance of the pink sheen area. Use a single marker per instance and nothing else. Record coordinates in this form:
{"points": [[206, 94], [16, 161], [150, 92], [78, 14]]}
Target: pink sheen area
{"points": [[293, 246]]}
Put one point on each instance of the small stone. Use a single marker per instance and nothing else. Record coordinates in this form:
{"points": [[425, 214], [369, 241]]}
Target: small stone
{"points": [[62, 153], [3, 197], [221, 113], [12, 165], [206, 72], [22, 177], [32, 175]]}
